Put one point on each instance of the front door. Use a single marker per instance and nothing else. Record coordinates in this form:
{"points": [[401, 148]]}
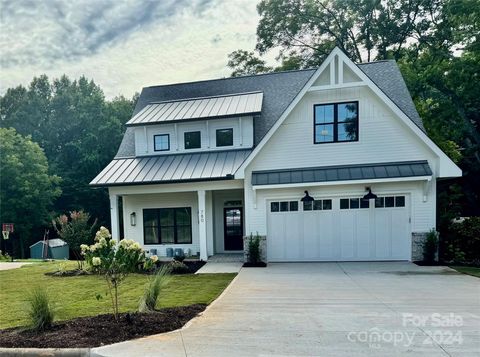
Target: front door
{"points": [[233, 228]]}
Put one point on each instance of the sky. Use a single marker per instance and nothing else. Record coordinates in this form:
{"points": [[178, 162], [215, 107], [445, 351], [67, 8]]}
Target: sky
{"points": [[123, 45]]}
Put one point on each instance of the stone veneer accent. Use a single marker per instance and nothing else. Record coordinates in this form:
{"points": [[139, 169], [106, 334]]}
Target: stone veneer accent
{"points": [[263, 248], [418, 241]]}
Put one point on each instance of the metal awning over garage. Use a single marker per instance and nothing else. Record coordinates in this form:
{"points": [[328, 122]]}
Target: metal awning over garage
{"points": [[205, 166], [223, 106], [342, 173]]}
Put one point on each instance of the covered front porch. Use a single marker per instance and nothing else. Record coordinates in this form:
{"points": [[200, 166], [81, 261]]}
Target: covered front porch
{"points": [[203, 218]]}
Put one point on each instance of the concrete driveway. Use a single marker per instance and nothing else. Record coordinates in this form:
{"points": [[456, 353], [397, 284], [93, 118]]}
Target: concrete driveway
{"points": [[12, 265], [330, 309]]}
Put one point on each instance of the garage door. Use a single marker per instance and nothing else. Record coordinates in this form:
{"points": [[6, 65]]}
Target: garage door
{"points": [[339, 229]]}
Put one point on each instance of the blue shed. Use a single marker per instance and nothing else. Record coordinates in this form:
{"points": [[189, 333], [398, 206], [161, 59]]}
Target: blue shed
{"points": [[50, 249]]}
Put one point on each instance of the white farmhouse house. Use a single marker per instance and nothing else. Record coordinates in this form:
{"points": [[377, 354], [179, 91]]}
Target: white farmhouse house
{"points": [[288, 155]]}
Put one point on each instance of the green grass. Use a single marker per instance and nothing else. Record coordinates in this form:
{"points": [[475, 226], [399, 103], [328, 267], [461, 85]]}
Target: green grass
{"points": [[467, 270], [76, 296]]}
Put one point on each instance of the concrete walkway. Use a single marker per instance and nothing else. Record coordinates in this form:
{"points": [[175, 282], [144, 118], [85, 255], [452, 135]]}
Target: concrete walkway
{"points": [[12, 265], [214, 267], [330, 309]]}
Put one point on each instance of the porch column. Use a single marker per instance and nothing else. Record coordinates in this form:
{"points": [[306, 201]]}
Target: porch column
{"points": [[202, 225], [114, 217]]}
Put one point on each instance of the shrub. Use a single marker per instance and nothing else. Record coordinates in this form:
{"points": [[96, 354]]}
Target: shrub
{"points": [[254, 249], [153, 288], [463, 242], [4, 256], [113, 261], [178, 267], [430, 247], [150, 263], [75, 230], [179, 258], [40, 313]]}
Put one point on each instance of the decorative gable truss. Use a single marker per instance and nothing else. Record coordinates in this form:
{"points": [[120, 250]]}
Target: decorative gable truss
{"points": [[338, 71]]}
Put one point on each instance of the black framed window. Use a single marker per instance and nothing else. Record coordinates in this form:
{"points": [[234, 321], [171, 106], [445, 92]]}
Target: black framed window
{"points": [[193, 140], [354, 203], [284, 206], [335, 122], [161, 142], [167, 225], [224, 137], [390, 201]]}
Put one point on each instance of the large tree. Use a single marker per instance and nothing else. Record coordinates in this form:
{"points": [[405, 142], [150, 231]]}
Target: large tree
{"points": [[27, 189], [78, 129]]}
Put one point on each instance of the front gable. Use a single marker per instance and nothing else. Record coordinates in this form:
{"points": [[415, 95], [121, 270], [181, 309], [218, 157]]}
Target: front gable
{"points": [[386, 133]]}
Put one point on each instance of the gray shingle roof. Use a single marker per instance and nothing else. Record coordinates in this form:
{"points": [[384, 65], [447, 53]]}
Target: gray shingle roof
{"points": [[387, 76], [220, 106], [211, 165], [342, 173]]}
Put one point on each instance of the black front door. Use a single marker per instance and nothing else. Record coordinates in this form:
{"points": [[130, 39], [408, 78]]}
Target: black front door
{"points": [[233, 228]]}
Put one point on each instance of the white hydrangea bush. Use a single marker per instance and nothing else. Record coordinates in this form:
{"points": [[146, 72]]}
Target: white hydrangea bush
{"points": [[114, 260]]}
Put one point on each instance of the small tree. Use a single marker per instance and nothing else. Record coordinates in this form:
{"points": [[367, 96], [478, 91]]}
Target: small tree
{"points": [[75, 231], [113, 260]]}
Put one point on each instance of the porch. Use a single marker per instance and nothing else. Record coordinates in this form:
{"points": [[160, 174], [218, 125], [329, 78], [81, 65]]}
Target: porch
{"points": [[202, 222]]}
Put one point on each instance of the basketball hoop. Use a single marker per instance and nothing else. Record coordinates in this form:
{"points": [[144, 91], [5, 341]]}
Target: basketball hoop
{"points": [[6, 229]]}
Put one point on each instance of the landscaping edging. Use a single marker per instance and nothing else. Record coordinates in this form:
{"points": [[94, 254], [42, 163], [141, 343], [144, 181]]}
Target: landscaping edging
{"points": [[50, 352]]}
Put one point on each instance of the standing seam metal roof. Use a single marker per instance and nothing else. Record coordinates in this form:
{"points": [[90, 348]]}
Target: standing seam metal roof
{"points": [[196, 108], [342, 173], [211, 165]]}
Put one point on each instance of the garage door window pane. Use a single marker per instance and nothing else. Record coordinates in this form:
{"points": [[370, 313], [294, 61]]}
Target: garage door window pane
{"points": [[344, 203], [354, 203], [307, 205], [400, 201], [389, 202], [283, 206], [327, 204], [364, 203], [317, 205], [379, 202], [293, 206], [274, 207]]}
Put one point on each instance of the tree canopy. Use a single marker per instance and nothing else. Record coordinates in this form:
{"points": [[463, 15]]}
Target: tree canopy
{"points": [[78, 130], [27, 189]]}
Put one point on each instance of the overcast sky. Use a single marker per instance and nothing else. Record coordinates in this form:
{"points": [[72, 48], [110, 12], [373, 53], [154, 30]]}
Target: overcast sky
{"points": [[123, 45]]}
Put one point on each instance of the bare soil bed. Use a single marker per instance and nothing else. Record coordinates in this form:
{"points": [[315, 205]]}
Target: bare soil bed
{"points": [[102, 329]]}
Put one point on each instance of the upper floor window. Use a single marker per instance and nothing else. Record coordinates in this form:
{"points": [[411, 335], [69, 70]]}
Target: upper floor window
{"points": [[335, 122], [193, 140], [224, 137], [161, 142]]}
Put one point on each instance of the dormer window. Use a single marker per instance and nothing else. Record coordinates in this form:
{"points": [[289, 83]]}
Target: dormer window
{"points": [[193, 140], [224, 137], [335, 122], [161, 142]]}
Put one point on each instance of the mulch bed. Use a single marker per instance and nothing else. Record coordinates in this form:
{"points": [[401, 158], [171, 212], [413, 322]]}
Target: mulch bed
{"points": [[75, 272], [101, 330], [254, 265]]}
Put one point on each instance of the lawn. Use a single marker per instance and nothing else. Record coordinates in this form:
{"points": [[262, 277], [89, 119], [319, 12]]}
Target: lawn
{"points": [[473, 271], [77, 296]]}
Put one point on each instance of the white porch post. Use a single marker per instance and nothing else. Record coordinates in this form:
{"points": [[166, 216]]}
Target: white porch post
{"points": [[114, 217], [202, 225]]}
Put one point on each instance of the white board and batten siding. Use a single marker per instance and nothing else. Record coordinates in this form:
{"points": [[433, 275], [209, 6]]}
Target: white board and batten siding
{"points": [[137, 203], [242, 135]]}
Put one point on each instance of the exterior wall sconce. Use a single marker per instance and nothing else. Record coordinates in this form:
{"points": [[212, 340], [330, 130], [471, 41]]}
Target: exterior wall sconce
{"points": [[369, 195], [133, 219], [307, 198]]}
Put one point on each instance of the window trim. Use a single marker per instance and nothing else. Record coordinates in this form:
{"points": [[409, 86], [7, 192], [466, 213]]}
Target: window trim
{"points": [[159, 226], [154, 146], [185, 139], [335, 123], [216, 137]]}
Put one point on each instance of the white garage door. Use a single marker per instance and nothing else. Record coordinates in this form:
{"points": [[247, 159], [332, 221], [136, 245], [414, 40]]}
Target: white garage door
{"points": [[339, 229]]}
